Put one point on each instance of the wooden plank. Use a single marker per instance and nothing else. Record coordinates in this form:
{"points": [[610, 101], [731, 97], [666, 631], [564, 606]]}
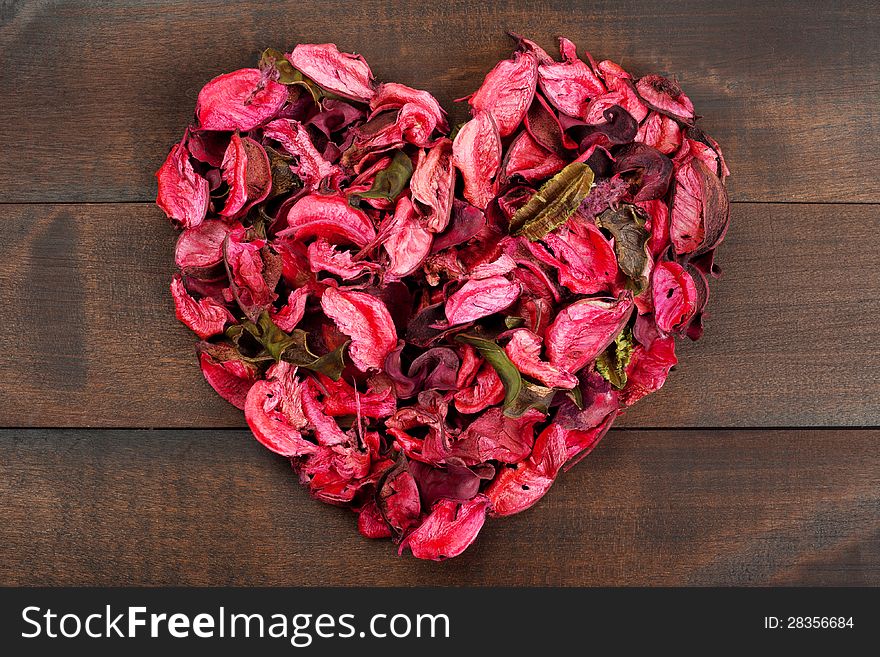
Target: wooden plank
{"points": [[728, 507], [94, 94], [90, 337]]}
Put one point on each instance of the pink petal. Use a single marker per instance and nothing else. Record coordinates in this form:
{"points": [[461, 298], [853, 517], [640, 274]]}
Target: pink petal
{"points": [[205, 317], [408, 243], [666, 96], [311, 166], [529, 160], [661, 132], [231, 379], [476, 152], [507, 91], [293, 311], [343, 74], [584, 329], [674, 296], [648, 369], [246, 171], [240, 100], [201, 247], [480, 298], [524, 351], [323, 256], [366, 320], [274, 413], [433, 185], [569, 85]]}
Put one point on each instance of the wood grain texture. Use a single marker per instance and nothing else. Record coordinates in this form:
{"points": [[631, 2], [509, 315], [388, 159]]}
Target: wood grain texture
{"points": [[646, 508], [95, 93], [90, 337]]}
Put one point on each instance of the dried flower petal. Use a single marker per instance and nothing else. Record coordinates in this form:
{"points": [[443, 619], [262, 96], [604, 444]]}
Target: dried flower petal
{"points": [[481, 297], [240, 100], [476, 152], [183, 194], [584, 329], [507, 91], [366, 320], [448, 530], [341, 73]]}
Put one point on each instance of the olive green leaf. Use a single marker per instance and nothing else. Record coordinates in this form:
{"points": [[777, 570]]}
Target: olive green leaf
{"points": [[626, 223], [612, 362], [272, 58], [390, 181], [284, 180], [519, 395], [554, 203]]}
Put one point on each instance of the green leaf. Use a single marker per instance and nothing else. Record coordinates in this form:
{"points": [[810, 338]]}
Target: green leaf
{"points": [[512, 322], [554, 203], [531, 395], [390, 181], [626, 223], [497, 358], [272, 58], [330, 364], [519, 395], [612, 362]]}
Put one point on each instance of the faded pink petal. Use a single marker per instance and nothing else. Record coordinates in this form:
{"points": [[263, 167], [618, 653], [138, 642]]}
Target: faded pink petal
{"points": [[476, 152], [507, 91], [480, 298], [524, 351], [183, 194], [584, 329], [330, 217], [616, 79], [366, 320], [201, 247], [324, 256], [408, 243], [569, 85], [486, 390], [240, 100], [274, 413], [665, 96], [448, 530], [341, 73], [433, 185], [205, 317], [419, 113]]}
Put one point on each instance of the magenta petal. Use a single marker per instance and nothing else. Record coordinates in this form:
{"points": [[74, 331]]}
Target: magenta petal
{"points": [[448, 530], [584, 329], [480, 298], [183, 193], [331, 217], [476, 152], [507, 91], [338, 72], [366, 320]]}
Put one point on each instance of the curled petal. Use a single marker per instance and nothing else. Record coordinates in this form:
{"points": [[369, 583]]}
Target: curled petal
{"points": [[324, 256], [529, 160], [480, 298], [661, 132], [240, 100], [507, 91], [330, 217], [496, 437], [293, 311], [524, 351], [487, 390], [205, 317], [448, 530], [273, 411], [366, 320], [327, 432], [700, 209], [246, 171], [371, 524], [230, 376], [183, 194], [648, 368], [665, 96], [476, 152], [674, 296], [246, 268], [585, 259], [584, 329], [341, 73], [616, 79], [342, 399], [418, 112], [311, 166]]}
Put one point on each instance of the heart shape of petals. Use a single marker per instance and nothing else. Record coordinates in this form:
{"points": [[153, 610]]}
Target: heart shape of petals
{"points": [[432, 326]]}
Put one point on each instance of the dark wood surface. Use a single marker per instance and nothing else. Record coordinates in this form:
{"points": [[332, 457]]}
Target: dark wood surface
{"points": [[94, 93], [647, 507]]}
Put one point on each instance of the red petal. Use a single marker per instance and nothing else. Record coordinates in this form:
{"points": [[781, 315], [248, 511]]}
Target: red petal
{"points": [[246, 171], [366, 320], [529, 160], [330, 217], [666, 96], [448, 530], [661, 132], [291, 313], [274, 413], [205, 317], [311, 166], [408, 243], [201, 247], [569, 85], [240, 100], [231, 379], [183, 193], [323, 256], [648, 368]]}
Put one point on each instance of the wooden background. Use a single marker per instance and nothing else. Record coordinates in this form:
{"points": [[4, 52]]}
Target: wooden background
{"points": [[758, 463]]}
